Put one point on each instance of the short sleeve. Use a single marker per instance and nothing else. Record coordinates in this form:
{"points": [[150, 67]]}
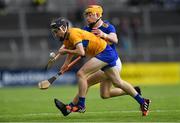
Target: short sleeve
{"points": [[111, 29], [75, 38]]}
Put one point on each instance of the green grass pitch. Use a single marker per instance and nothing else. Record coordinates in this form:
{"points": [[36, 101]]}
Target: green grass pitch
{"points": [[30, 104]]}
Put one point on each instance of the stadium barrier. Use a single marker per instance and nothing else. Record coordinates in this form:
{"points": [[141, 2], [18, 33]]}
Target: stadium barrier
{"points": [[136, 73], [158, 73], [32, 77]]}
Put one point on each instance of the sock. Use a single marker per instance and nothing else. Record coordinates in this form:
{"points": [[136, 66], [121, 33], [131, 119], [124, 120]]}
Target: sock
{"points": [[81, 101], [139, 99]]}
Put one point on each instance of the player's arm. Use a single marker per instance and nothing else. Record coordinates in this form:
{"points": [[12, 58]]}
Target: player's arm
{"points": [[79, 50], [112, 37], [53, 59], [58, 54], [66, 62]]}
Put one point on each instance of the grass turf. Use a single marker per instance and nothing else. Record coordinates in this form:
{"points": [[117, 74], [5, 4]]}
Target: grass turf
{"points": [[31, 104]]}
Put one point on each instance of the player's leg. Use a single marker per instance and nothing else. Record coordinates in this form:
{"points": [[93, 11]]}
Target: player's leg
{"points": [[106, 90], [105, 86], [93, 79], [113, 74], [90, 67]]}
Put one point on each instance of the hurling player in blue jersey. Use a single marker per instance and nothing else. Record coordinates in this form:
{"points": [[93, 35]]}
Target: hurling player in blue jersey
{"points": [[107, 31]]}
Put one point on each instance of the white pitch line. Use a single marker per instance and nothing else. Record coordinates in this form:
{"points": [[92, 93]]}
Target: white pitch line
{"points": [[28, 115], [131, 111], [91, 112]]}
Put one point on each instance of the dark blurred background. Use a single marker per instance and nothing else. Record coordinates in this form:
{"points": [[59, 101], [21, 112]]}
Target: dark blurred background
{"points": [[148, 30]]}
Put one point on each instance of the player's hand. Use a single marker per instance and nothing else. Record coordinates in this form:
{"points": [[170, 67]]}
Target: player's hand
{"points": [[99, 33], [64, 68], [62, 51]]}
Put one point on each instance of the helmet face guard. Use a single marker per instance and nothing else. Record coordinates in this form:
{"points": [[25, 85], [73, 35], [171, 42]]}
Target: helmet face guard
{"points": [[59, 24], [54, 30]]}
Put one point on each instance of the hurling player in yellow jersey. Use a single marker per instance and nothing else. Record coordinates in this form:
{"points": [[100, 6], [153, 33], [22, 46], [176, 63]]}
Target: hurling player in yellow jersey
{"points": [[83, 43]]}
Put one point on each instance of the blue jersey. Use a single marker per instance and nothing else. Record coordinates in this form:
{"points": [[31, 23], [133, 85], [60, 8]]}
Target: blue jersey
{"points": [[107, 28]]}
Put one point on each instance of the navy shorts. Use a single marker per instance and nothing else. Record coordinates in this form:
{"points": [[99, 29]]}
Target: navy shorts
{"points": [[108, 55]]}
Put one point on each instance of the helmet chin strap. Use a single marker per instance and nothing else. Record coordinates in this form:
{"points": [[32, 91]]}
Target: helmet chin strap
{"points": [[91, 25]]}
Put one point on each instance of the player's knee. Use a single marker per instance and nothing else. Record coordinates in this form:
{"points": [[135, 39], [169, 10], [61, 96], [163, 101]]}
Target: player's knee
{"points": [[118, 83], [115, 84], [81, 74]]}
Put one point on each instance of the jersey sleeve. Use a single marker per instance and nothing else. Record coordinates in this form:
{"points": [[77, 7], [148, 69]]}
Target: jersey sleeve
{"points": [[75, 38], [111, 29]]}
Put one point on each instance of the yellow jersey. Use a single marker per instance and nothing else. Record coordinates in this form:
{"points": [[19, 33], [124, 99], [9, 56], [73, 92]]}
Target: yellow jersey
{"points": [[92, 44]]}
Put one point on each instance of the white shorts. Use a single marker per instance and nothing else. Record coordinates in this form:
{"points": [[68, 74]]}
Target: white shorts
{"points": [[118, 64]]}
